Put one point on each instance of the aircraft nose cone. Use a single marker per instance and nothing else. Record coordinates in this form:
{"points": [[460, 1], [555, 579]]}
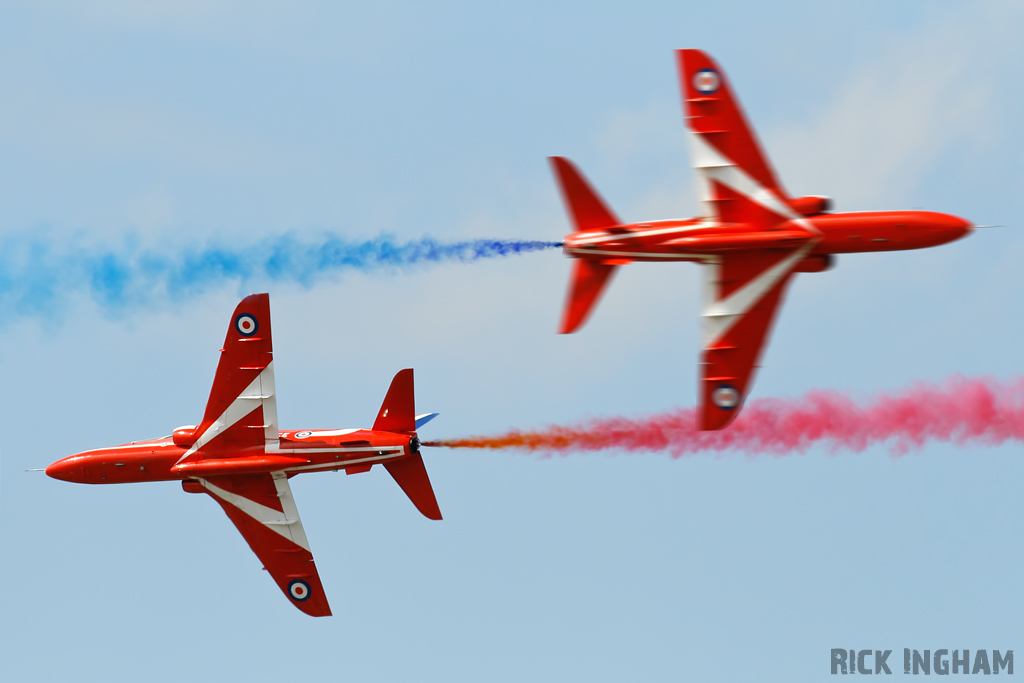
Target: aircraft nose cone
{"points": [[949, 227], [67, 469], [961, 224]]}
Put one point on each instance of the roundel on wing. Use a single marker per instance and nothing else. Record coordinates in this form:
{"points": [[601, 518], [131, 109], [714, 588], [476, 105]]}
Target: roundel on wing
{"points": [[706, 81], [299, 590], [246, 325], [725, 396]]}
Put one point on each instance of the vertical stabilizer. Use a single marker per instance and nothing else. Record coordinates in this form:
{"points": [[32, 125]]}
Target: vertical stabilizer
{"points": [[398, 412]]}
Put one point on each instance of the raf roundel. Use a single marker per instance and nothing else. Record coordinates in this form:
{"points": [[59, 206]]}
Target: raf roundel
{"points": [[246, 325], [298, 590], [725, 397], [706, 81]]}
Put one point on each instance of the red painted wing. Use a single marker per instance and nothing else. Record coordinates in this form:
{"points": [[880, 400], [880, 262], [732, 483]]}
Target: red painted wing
{"points": [[726, 153], [713, 112], [241, 414], [739, 209], [744, 291], [263, 510]]}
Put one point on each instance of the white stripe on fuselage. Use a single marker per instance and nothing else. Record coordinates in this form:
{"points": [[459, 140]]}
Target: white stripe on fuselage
{"points": [[338, 449], [322, 433], [605, 237], [127, 446], [637, 254], [342, 464]]}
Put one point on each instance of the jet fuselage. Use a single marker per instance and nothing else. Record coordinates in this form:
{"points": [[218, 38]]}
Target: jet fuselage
{"points": [[831, 233], [352, 450]]}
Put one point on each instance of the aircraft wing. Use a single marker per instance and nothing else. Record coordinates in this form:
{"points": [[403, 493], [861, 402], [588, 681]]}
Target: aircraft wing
{"points": [[241, 414], [727, 157], [743, 291], [262, 508]]}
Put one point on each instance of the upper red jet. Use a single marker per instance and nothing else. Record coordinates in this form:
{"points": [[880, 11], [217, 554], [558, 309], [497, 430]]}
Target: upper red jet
{"points": [[238, 456], [751, 237]]}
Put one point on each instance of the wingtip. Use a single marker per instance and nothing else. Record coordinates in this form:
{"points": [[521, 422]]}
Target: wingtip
{"points": [[571, 321]]}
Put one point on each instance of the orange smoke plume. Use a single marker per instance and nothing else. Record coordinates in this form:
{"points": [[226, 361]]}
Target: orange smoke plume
{"points": [[959, 410]]}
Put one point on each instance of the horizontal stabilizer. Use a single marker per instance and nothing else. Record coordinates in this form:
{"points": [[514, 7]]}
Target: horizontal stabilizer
{"points": [[411, 475], [424, 419], [589, 279], [586, 208]]}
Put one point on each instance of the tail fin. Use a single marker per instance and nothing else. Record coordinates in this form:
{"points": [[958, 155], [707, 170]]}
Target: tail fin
{"points": [[398, 412], [586, 208], [725, 150], [588, 212], [588, 281]]}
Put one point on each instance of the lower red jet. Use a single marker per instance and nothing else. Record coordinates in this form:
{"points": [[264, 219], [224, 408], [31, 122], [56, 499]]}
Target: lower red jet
{"points": [[238, 456], [751, 238]]}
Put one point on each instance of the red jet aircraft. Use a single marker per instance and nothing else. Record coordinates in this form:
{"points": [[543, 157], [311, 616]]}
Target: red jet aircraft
{"points": [[238, 456], [751, 238]]}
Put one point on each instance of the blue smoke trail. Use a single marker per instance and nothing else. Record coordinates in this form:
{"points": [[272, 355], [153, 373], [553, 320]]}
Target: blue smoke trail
{"points": [[37, 278]]}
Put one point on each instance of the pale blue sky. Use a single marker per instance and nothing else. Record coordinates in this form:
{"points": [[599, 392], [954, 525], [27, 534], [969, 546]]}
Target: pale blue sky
{"points": [[176, 123]]}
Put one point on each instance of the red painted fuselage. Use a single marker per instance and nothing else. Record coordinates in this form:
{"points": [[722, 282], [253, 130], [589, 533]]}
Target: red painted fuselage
{"points": [[351, 450], [830, 233]]}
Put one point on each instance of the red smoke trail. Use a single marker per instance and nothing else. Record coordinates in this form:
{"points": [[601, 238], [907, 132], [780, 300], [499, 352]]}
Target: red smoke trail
{"points": [[960, 411]]}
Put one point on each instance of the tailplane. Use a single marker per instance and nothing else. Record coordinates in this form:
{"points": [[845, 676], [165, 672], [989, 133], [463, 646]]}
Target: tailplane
{"points": [[411, 475], [586, 208], [588, 212], [588, 281]]}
